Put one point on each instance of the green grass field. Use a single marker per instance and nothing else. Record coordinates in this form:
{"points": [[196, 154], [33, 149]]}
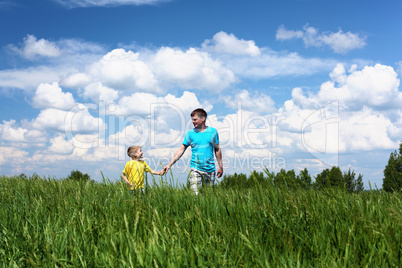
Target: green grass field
{"points": [[61, 223]]}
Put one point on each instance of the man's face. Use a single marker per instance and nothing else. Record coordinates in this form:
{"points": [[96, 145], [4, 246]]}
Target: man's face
{"points": [[197, 120]]}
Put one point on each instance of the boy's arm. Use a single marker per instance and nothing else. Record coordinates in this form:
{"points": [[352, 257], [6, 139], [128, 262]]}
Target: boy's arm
{"points": [[128, 182], [218, 153], [157, 172], [176, 157]]}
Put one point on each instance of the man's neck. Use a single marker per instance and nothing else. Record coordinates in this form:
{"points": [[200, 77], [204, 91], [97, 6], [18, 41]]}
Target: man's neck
{"points": [[202, 128]]}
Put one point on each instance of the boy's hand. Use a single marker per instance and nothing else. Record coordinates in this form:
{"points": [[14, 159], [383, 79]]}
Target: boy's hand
{"points": [[162, 172]]}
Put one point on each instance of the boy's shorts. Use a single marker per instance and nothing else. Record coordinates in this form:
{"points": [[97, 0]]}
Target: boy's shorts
{"points": [[196, 177]]}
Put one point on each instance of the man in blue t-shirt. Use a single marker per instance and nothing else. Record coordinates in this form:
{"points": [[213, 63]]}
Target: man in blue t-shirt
{"points": [[204, 142]]}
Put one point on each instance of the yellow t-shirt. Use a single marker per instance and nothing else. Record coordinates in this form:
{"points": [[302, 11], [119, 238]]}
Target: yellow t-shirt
{"points": [[134, 171]]}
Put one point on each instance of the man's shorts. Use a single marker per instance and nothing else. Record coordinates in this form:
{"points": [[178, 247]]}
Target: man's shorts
{"points": [[196, 177]]}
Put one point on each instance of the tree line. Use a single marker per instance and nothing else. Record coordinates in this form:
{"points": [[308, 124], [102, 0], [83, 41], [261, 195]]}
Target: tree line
{"points": [[328, 178]]}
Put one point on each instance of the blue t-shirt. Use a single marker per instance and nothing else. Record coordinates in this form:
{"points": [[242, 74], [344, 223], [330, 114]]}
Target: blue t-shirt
{"points": [[202, 147]]}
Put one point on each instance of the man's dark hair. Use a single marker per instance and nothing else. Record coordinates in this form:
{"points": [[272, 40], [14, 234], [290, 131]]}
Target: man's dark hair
{"points": [[200, 112]]}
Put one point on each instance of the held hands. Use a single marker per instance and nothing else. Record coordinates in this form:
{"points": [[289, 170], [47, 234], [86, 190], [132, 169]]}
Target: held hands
{"points": [[166, 169]]}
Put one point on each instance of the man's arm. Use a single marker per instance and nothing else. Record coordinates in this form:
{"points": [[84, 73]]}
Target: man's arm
{"points": [[218, 153], [176, 157]]}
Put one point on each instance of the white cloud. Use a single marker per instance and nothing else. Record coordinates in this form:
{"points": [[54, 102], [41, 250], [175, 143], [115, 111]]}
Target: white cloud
{"points": [[184, 104], [79, 47], [100, 3], [240, 129], [158, 115], [52, 96], [77, 120], [258, 102], [399, 68], [275, 64], [68, 57], [130, 134], [120, 69], [84, 143], [98, 92], [395, 130], [106, 155], [374, 86], [340, 42], [10, 132], [59, 145], [11, 155], [33, 48], [136, 104], [284, 34], [230, 44], [81, 64], [191, 69], [174, 112], [365, 130], [362, 121], [28, 79], [166, 67], [76, 80]]}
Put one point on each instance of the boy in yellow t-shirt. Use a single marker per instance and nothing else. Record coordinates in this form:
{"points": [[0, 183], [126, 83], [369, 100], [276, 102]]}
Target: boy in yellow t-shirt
{"points": [[133, 172]]}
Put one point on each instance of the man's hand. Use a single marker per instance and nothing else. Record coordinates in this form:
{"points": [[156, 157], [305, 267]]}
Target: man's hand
{"points": [[176, 157], [166, 169], [220, 172]]}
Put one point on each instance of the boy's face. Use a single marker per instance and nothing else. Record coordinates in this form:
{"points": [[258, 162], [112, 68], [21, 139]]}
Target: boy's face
{"points": [[138, 154], [197, 120]]}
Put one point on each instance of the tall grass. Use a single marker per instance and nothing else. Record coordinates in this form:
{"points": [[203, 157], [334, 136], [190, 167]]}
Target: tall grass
{"points": [[48, 222]]}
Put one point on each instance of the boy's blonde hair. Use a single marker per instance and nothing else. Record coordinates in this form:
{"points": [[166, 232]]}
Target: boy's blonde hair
{"points": [[132, 150]]}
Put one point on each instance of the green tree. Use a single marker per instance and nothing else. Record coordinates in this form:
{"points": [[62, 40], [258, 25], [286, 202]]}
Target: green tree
{"points": [[329, 178], [287, 178], [393, 172], [352, 184], [335, 177], [77, 175], [321, 180], [304, 179], [235, 181]]}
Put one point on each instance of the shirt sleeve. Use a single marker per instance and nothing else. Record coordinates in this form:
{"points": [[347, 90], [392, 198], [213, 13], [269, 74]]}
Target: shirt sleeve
{"points": [[187, 140], [124, 170], [216, 137], [146, 167]]}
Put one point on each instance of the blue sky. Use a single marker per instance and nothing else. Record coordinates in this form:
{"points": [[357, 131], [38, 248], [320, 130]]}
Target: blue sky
{"points": [[289, 84]]}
